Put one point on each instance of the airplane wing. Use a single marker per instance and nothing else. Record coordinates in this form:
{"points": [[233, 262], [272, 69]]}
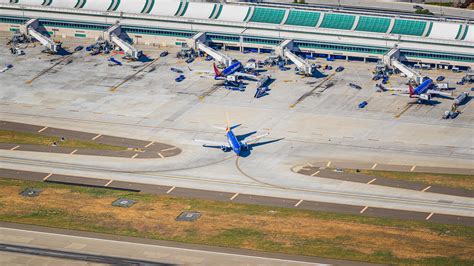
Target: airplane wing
{"points": [[253, 139], [241, 74], [212, 144], [398, 89], [440, 93]]}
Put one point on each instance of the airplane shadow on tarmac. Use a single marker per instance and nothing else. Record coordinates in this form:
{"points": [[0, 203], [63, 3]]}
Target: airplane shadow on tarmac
{"points": [[247, 152]]}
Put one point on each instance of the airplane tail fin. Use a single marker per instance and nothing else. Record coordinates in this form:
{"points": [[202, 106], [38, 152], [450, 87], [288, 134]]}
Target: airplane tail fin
{"points": [[411, 89], [216, 71]]}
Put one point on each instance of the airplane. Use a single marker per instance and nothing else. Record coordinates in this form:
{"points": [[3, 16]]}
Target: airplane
{"points": [[114, 62], [423, 92], [235, 143], [230, 73]]}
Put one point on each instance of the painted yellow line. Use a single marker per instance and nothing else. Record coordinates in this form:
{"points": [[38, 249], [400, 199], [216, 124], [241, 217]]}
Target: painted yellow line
{"points": [[235, 196], [46, 177], [370, 182], [14, 148], [315, 173], [365, 208], [169, 191], [426, 188], [413, 168], [298, 203], [134, 156], [41, 130], [329, 164], [169, 149], [429, 216], [74, 151], [161, 155], [108, 183], [96, 137], [373, 166], [149, 144]]}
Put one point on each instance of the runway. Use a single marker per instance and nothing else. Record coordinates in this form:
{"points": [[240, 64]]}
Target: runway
{"points": [[113, 250]]}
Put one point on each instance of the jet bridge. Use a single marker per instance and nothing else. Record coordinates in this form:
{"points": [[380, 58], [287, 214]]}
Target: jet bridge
{"points": [[391, 58], [199, 43], [285, 50], [113, 35], [30, 28]]}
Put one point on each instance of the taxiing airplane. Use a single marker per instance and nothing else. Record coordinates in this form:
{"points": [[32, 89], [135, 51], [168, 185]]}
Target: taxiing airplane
{"points": [[234, 143]]}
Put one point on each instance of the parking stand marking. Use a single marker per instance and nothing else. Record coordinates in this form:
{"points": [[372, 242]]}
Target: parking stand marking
{"points": [[96, 137], [329, 164], [413, 168], [365, 208], [74, 151], [298, 203], [315, 173], [169, 149], [373, 167], [134, 156], [108, 183], [426, 188], [161, 155]]}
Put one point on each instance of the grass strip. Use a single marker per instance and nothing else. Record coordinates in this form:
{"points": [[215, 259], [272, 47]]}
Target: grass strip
{"points": [[17, 137], [245, 226]]}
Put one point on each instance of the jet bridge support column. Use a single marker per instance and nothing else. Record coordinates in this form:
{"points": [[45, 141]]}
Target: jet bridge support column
{"points": [[30, 28], [285, 50], [113, 35], [199, 43]]}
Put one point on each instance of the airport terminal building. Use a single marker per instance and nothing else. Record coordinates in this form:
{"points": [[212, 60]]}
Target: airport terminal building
{"points": [[348, 34]]}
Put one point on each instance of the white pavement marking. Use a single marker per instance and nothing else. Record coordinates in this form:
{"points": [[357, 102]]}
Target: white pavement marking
{"points": [[169, 149], [413, 168], [149, 144], [41, 130], [299, 202], [429, 216], [14, 148], [373, 166], [169, 191], [235, 196], [46, 177], [315, 173], [308, 164], [426, 188], [74, 151], [96, 137], [161, 155], [370, 182], [108, 183], [329, 164], [134, 156], [365, 208]]}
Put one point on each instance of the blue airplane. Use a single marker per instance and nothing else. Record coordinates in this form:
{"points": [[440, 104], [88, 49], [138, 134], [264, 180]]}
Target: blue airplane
{"points": [[425, 91], [234, 143], [230, 71]]}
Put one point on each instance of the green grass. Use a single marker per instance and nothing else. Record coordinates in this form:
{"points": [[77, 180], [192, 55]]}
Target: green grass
{"points": [[259, 236], [16, 137], [447, 180]]}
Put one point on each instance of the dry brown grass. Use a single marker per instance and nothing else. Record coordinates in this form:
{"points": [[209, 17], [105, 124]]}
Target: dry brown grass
{"points": [[298, 232]]}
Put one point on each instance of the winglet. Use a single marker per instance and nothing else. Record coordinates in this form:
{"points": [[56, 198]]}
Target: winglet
{"points": [[216, 71]]}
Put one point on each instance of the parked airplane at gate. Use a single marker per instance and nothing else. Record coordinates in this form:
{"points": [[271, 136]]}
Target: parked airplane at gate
{"points": [[424, 92], [234, 142], [230, 71]]}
